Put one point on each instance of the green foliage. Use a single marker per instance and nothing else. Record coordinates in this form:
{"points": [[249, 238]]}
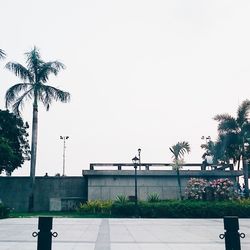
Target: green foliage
{"points": [[95, 207], [183, 209], [34, 77], [179, 149], [153, 197], [14, 145], [123, 210], [233, 133], [4, 211], [121, 199]]}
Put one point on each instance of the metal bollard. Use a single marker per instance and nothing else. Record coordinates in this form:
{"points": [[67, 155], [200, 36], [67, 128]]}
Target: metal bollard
{"points": [[44, 235], [231, 235]]}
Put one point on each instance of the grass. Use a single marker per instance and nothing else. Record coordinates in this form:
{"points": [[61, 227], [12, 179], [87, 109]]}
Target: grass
{"points": [[70, 214]]}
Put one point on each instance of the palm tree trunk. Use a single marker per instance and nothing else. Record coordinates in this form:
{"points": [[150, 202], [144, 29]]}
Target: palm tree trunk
{"points": [[34, 144], [238, 164], [179, 182], [33, 154]]}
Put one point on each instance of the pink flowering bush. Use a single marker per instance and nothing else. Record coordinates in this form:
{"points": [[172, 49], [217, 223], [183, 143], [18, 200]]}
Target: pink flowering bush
{"points": [[195, 189], [220, 189], [223, 189]]}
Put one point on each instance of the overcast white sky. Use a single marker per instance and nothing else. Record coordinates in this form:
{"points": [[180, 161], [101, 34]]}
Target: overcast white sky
{"points": [[141, 74]]}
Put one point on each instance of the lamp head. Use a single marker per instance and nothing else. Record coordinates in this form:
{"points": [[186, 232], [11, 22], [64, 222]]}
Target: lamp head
{"points": [[135, 160]]}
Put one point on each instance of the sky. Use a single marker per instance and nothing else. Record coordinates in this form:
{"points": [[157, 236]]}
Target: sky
{"points": [[142, 74]]}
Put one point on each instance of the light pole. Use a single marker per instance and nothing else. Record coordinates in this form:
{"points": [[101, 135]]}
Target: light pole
{"points": [[245, 169], [139, 155], [64, 138], [135, 160], [207, 138]]}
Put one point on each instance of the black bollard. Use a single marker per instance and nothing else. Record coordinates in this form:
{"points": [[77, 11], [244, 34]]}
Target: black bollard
{"points": [[231, 235], [44, 235]]}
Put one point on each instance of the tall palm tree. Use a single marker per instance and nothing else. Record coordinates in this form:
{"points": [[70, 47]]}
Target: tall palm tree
{"points": [[2, 54], [234, 133], [34, 77], [178, 151]]}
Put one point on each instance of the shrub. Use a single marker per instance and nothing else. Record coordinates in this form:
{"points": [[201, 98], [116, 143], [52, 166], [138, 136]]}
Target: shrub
{"points": [[195, 189], [220, 189], [121, 199], [4, 211], [183, 209], [154, 197], [95, 207], [128, 209], [223, 189]]}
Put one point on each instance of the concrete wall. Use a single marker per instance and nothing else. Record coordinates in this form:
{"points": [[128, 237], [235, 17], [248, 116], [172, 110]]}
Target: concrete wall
{"points": [[14, 191], [105, 185], [98, 185]]}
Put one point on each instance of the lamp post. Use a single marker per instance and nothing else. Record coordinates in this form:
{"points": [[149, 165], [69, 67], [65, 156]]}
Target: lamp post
{"points": [[245, 169], [207, 138], [139, 156], [64, 138], [135, 161]]}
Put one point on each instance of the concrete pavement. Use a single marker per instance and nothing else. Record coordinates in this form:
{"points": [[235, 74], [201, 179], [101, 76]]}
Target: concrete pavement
{"points": [[121, 234]]}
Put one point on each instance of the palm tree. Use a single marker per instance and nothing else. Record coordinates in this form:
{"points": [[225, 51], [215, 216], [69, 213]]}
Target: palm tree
{"points": [[234, 133], [178, 151], [2, 54], [34, 77]]}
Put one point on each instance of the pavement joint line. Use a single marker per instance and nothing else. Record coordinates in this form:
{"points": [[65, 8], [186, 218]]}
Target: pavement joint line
{"points": [[103, 238]]}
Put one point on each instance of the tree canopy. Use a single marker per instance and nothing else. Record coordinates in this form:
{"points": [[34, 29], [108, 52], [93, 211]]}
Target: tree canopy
{"points": [[14, 146]]}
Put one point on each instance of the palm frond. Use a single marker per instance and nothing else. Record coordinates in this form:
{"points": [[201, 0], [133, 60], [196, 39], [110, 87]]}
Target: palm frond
{"points": [[18, 105], [246, 130], [49, 93], [12, 93], [243, 111], [49, 68], [226, 124], [20, 71], [180, 149], [33, 61], [2, 54], [223, 117]]}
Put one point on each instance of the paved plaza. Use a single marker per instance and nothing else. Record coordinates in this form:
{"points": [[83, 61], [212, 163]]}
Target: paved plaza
{"points": [[121, 234]]}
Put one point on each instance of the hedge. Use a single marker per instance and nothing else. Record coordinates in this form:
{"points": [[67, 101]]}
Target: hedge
{"points": [[183, 209], [4, 211]]}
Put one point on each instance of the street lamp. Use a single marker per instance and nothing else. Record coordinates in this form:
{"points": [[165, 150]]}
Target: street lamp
{"points": [[139, 155], [245, 169], [208, 138], [135, 161], [64, 138]]}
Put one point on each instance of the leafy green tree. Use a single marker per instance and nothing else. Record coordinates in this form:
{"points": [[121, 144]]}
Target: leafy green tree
{"points": [[34, 77], [234, 134], [14, 145], [178, 150]]}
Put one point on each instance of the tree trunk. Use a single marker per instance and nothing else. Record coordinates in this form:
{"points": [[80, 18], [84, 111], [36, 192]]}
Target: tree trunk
{"points": [[179, 182], [245, 172], [34, 144], [33, 155]]}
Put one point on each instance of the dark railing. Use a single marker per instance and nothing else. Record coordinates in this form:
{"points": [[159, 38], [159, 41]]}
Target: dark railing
{"points": [[160, 166], [44, 241], [231, 235]]}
